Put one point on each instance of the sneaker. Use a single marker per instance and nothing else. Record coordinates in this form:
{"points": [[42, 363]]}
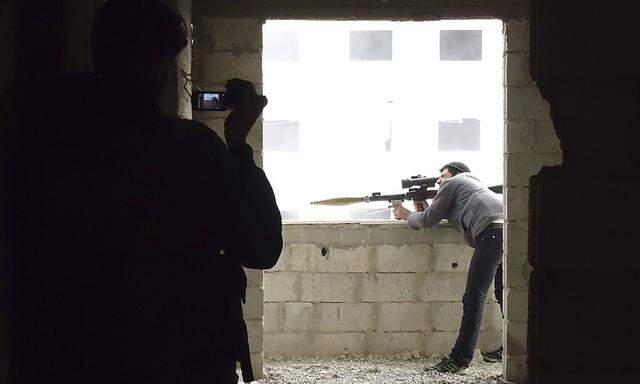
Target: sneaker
{"points": [[447, 365], [492, 357]]}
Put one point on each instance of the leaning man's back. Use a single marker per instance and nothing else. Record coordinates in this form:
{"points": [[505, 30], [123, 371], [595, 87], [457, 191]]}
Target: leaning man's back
{"points": [[466, 203]]}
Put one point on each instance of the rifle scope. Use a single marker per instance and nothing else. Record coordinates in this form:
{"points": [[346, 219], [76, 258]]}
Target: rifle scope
{"points": [[419, 181]]}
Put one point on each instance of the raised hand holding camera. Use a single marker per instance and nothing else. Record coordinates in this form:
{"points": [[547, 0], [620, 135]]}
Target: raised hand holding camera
{"points": [[246, 106]]}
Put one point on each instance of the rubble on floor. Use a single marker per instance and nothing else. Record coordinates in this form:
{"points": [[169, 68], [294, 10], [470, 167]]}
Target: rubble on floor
{"points": [[407, 367]]}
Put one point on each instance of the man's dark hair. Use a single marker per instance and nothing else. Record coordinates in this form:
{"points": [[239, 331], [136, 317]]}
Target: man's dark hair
{"points": [[135, 32], [455, 167]]}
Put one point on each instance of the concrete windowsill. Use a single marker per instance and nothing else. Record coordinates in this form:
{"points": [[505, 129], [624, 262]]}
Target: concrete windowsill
{"points": [[344, 223]]}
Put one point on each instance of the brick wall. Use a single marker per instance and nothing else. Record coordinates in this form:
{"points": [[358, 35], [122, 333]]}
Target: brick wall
{"points": [[227, 48], [379, 289], [228, 43]]}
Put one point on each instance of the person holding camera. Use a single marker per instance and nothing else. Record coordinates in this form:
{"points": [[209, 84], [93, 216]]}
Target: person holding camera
{"points": [[130, 247], [477, 213]]}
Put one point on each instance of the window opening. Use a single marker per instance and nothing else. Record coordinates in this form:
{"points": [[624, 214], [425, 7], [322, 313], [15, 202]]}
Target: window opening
{"points": [[356, 106]]}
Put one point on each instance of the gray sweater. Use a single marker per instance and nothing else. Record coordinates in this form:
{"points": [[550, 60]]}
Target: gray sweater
{"points": [[467, 204]]}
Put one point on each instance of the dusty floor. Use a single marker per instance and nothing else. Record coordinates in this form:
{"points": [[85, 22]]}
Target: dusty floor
{"points": [[371, 369]]}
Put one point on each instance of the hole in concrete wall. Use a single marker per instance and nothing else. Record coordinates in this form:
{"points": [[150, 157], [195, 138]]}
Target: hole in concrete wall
{"points": [[324, 251], [454, 265]]}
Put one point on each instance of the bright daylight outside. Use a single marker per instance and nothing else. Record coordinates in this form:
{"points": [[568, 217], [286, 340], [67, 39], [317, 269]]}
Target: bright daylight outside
{"points": [[354, 107]]}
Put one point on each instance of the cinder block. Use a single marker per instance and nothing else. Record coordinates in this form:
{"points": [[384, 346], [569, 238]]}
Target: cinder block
{"points": [[385, 287], [328, 344], [439, 343], [401, 234], [525, 103], [254, 277], [517, 35], [517, 69], [515, 368], [516, 203], [354, 235], [516, 233], [298, 317], [386, 343], [545, 138], [281, 286], [330, 287], [286, 344], [519, 137], [309, 258], [446, 316], [517, 304], [273, 321], [342, 259], [228, 34], [519, 167], [284, 262], [299, 255], [443, 286], [516, 270], [254, 330], [405, 258], [214, 68], [451, 257], [253, 308], [516, 337], [403, 317], [330, 317], [343, 235]]}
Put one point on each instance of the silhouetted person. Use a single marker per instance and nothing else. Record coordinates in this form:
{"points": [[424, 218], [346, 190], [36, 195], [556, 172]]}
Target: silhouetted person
{"points": [[132, 227]]}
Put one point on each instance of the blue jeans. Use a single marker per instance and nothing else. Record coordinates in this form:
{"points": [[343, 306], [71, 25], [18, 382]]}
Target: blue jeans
{"points": [[485, 267]]}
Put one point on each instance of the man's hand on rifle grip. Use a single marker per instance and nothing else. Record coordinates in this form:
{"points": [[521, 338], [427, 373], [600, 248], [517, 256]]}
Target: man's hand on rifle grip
{"points": [[400, 212]]}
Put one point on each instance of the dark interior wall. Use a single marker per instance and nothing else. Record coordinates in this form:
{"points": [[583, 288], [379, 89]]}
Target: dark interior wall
{"points": [[8, 27], [31, 39], [361, 9], [584, 317]]}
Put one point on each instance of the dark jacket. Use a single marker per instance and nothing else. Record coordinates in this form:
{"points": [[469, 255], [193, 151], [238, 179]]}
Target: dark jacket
{"points": [[132, 232]]}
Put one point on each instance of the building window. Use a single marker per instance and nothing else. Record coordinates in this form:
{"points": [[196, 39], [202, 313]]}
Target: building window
{"points": [[280, 46], [459, 136], [281, 135], [460, 45], [371, 45]]}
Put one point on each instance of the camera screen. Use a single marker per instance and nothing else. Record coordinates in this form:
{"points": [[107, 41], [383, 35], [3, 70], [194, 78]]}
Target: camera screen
{"points": [[210, 101]]}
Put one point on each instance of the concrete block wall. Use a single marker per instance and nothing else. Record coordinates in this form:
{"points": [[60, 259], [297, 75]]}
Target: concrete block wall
{"points": [[228, 40], [226, 48], [369, 289], [530, 143]]}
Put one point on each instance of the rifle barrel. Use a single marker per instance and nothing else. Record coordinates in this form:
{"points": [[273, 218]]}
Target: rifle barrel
{"points": [[338, 201]]}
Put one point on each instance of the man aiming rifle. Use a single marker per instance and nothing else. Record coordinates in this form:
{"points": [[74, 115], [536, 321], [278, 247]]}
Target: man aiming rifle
{"points": [[476, 212]]}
